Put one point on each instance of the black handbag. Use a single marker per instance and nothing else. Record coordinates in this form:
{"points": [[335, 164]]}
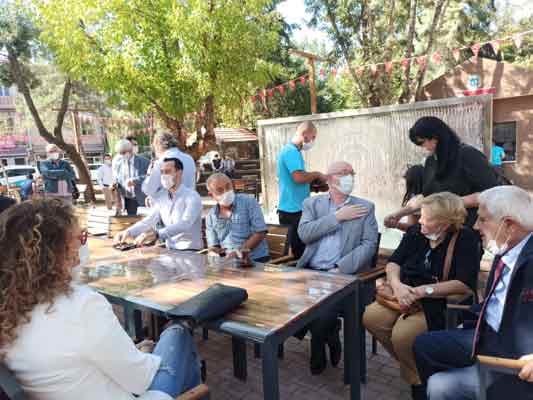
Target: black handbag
{"points": [[209, 305]]}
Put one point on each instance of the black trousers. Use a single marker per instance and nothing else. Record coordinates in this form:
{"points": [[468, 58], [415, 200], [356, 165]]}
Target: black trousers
{"points": [[292, 220], [131, 206]]}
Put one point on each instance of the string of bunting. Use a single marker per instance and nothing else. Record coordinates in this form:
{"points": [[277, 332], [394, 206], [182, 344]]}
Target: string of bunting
{"points": [[388, 66]]}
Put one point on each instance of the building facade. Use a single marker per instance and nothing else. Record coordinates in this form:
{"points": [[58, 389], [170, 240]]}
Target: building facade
{"points": [[512, 90]]}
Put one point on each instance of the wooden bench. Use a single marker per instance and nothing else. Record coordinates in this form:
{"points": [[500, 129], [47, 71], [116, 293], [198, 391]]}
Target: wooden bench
{"points": [[100, 222], [12, 390], [278, 242], [250, 186]]}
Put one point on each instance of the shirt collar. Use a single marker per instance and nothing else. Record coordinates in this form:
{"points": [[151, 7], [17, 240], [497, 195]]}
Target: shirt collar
{"points": [[347, 201], [511, 257], [178, 192], [293, 145]]}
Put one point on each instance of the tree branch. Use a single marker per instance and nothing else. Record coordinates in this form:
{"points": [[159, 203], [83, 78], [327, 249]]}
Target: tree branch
{"points": [[58, 130], [406, 91], [422, 71], [16, 71]]}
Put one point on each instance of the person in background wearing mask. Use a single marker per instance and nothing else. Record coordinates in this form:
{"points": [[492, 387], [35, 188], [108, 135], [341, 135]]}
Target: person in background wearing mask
{"points": [[129, 173], [503, 323], [235, 227], [58, 175], [294, 182], [340, 233], [417, 280], [105, 180], [165, 145], [176, 207]]}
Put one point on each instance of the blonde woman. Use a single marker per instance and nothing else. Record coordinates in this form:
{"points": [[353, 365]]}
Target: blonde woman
{"points": [[416, 277]]}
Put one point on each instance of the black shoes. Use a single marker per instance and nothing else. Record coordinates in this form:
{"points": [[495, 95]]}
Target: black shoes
{"points": [[418, 392]]}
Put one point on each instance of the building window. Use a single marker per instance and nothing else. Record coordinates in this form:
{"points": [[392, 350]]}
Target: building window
{"points": [[504, 135], [20, 161]]}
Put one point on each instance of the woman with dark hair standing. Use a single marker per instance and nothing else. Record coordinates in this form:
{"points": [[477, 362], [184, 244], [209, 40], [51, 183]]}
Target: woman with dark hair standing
{"points": [[450, 166], [414, 182]]}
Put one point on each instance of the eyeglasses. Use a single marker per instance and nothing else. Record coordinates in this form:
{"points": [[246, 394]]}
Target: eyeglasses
{"points": [[83, 236]]}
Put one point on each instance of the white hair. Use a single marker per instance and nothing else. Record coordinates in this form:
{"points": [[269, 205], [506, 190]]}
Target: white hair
{"points": [[51, 147], [123, 146], [215, 177], [509, 201]]}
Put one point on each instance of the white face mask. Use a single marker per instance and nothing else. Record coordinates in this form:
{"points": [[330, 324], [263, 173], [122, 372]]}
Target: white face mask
{"points": [[84, 255], [433, 236], [494, 248], [308, 145], [345, 185], [168, 181], [53, 156], [107, 162], [226, 199]]}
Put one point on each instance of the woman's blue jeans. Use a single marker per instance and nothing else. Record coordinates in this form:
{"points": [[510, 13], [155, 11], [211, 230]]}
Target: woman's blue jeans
{"points": [[180, 366]]}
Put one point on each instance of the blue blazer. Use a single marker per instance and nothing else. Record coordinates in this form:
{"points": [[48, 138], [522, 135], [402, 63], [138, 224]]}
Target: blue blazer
{"points": [[515, 337]]}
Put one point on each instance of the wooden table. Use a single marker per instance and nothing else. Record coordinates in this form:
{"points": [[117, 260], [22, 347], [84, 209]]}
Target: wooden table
{"points": [[281, 300]]}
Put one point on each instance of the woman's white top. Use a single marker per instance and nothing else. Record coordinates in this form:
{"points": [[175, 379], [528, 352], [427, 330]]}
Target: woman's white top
{"points": [[77, 350]]}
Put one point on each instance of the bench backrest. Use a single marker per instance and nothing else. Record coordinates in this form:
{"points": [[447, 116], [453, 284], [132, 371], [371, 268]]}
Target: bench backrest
{"points": [[277, 240]]}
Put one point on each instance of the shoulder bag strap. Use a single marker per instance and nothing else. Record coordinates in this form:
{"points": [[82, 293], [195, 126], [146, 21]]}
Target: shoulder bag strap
{"points": [[449, 257]]}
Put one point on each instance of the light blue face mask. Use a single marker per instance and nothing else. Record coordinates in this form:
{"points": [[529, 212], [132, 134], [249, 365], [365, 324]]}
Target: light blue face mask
{"points": [[345, 185]]}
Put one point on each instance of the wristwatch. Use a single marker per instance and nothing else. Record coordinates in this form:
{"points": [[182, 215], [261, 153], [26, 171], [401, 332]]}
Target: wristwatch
{"points": [[429, 290]]}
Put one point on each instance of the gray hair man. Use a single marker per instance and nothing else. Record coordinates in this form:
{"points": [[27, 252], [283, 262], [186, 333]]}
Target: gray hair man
{"points": [[446, 359], [129, 172], [165, 145], [294, 182], [340, 233], [235, 227], [58, 175]]}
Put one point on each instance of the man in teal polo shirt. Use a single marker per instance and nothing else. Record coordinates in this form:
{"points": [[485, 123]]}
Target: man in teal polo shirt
{"points": [[294, 182]]}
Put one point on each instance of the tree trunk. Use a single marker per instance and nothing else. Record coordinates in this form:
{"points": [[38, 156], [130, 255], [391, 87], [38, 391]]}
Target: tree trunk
{"points": [[83, 166], [209, 136], [57, 137], [406, 91]]}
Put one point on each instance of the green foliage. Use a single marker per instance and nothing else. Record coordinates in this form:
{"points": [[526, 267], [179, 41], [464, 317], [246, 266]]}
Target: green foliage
{"points": [[163, 54]]}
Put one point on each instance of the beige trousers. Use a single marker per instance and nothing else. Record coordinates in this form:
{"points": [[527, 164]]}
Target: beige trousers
{"points": [[108, 196], [396, 333]]}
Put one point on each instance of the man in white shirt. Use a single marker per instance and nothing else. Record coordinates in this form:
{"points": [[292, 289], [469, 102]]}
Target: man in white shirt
{"points": [[165, 145], [105, 180], [177, 207]]}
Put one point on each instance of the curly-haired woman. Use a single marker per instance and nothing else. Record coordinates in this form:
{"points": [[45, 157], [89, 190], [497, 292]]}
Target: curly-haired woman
{"points": [[61, 340]]}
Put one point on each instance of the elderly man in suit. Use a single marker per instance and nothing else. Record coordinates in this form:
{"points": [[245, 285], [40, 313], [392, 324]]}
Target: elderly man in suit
{"points": [[445, 359], [340, 233], [129, 172]]}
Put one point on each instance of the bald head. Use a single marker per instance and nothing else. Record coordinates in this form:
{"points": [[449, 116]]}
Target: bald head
{"points": [[305, 133], [340, 168]]}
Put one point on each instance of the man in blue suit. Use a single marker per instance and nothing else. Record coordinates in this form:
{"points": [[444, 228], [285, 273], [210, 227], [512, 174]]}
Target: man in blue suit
{"points": [[504, 324]]}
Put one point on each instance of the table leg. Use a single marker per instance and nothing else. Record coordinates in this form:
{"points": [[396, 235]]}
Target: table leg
{"points": [[352, 340], [270, 371], [239, 358]]}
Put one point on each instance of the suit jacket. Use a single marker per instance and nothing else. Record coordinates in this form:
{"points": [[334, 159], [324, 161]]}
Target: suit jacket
{"points": [[359, 236], [140, 166], [515, 337]]}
